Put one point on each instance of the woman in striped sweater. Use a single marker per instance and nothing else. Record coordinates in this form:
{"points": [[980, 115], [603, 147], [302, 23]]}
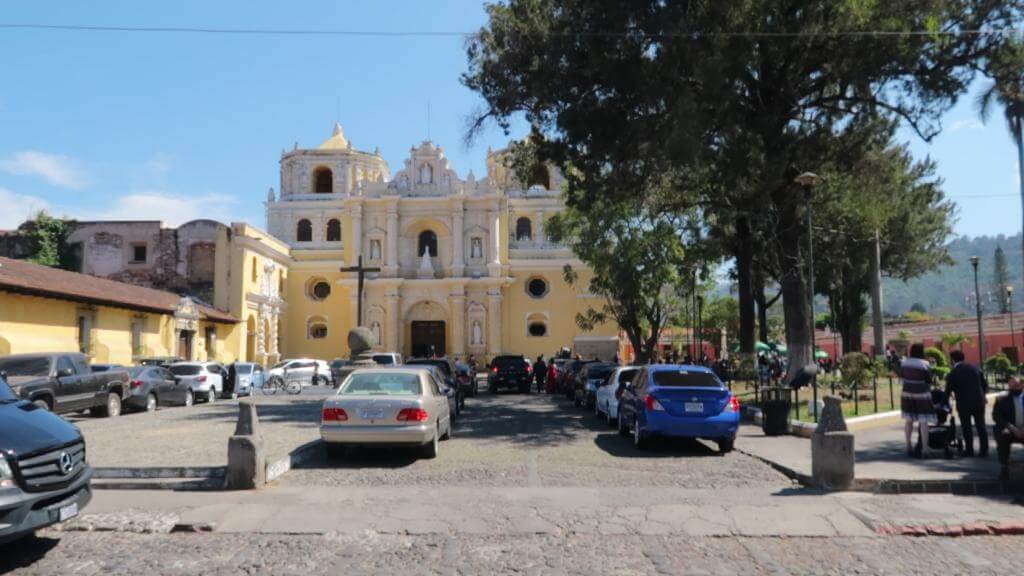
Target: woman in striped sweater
{"points": [[916, 399]]}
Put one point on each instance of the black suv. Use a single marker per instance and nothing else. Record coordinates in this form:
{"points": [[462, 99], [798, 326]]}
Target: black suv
{"points": [[44, 478], [510, 371]]}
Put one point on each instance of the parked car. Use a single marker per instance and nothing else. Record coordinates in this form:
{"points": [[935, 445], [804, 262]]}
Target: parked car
{"points": [[309, 371], [206, 379], [155, 386], [387, 406], [679, 401], [590, 377], [606, 404], [248, 377], [64, 383], [106, 367], [44, 477], [450, 378], [388, 358], [164, 361], [510, 371], [567, 383]]}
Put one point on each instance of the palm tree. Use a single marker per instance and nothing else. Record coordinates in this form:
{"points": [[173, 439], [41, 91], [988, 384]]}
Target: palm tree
{"points": [[949, 340], [1006, 68]]}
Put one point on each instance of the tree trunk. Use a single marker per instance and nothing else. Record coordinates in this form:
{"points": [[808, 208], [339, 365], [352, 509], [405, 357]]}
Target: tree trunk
{"points": [[795, 304], [762, 305], [744, 280]]}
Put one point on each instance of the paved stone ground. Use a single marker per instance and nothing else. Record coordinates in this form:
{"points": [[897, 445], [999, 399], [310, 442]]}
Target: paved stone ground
{"points": [[535, 440], [113, 553], [198, 436]]}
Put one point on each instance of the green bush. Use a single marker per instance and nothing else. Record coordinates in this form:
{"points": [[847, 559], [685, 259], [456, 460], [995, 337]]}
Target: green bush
{"points": [[857, 369], [941, 372], [999, 364], [936, 357]]}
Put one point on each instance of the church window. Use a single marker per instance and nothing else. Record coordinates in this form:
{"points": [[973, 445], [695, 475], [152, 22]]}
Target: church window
{"points": [[304, 231], [524, 229], [138, 253], [316, 328], [537, 287], [319, 289], [427, 243], [323, 181], [537, 325], [334, 230]]}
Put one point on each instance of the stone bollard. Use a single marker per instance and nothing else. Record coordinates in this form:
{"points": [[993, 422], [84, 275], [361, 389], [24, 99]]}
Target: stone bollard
{"points": [[247, 461], [832, 455]]}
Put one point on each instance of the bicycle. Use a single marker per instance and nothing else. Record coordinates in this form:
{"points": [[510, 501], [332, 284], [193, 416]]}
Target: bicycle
{"points": [[276, 383]]}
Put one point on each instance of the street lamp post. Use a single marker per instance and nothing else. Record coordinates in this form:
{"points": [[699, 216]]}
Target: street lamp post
{"points": [[1013, 334], [807, 181], [977, 305], [700, 328]]}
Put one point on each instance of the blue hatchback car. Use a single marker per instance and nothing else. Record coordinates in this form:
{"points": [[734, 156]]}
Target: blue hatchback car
{"points": [[679, 401]]}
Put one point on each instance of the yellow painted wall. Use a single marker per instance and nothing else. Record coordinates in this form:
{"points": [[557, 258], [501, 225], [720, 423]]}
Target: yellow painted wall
{"points": [[336, 309]]}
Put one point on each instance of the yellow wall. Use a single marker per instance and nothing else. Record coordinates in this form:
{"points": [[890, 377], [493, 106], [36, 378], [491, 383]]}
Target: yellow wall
{"points": [[336, 309]]}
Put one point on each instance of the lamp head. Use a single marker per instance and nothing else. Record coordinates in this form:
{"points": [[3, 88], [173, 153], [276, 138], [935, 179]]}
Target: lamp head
{"points": [[1009, 290], [974, 261], [808, 179]]}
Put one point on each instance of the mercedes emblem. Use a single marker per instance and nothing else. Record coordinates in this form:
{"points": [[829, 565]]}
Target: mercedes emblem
{"points": [[66, 465]]}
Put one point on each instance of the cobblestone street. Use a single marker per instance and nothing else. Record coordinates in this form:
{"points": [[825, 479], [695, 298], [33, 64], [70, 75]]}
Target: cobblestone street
{"points": [[527, 485]]}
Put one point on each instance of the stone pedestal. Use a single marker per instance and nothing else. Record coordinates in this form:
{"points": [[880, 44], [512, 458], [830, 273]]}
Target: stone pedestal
{"points": [[832, 448], [247, 460]]}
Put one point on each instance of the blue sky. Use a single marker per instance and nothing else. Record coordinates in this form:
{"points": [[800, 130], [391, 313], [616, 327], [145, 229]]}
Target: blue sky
{"points": [[179, 126]]}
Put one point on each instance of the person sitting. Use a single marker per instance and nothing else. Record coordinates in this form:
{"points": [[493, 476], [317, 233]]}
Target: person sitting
{"points": [[1008, 427]]}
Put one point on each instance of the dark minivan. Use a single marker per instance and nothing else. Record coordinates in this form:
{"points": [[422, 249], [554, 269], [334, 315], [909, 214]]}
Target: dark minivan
{"points": [[44, 478]]}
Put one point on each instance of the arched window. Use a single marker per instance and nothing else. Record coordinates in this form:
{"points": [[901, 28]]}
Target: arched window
{"points": [[316, 328], [323, 181], [537, 325], [334, 230], [524, 229], [428, 241], [304, 231]]}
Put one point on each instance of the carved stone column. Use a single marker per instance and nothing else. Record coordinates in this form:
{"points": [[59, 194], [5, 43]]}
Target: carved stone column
{"points": [[495, 220], [493, 323], [357, 232], [393, 325], [391, 252], [458, 241], [457, 302]]}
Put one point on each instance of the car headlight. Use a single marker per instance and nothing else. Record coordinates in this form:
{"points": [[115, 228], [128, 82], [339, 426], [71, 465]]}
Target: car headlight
{"points": [[6, 474]]}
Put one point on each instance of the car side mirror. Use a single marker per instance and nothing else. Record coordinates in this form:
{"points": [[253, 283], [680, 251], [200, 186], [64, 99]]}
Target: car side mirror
{"points": [[65, 372]]}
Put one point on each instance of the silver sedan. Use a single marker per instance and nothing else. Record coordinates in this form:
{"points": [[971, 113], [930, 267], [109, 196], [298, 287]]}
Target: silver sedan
{"points": [[387, 407]]}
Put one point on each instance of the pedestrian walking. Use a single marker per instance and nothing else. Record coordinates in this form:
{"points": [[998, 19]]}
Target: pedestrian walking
{"points": [[916, 399], [540, 373], [968, 384], [1008, 424]]}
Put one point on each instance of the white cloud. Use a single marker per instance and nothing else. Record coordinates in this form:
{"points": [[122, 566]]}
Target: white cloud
{"points": [[18, 207], [966, 125], [172, 209], [58, 170]]}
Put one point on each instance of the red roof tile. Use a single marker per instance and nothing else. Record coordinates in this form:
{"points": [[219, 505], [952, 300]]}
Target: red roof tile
{"points": [[26, 278]]}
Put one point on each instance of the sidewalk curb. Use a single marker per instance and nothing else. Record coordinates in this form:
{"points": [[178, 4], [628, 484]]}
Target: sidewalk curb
{"points": [[302, 454], [158, 472]]}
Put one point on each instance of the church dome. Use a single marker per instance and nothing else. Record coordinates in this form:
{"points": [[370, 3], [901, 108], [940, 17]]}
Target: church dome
{"points": [[337, 141]]}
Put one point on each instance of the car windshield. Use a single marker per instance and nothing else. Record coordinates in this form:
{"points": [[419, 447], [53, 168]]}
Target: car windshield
{"points": [[384, 359], [382, 384], [26, 366], [685, 378], [134, 371], [185, 370]]}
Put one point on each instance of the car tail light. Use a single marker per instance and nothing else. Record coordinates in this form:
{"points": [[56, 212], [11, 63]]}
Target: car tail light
{"points": [[413, 415], [652, 404], [733, 405], [136, 384], [494, 369], [529, 369], [201, 378], [334, 415]]}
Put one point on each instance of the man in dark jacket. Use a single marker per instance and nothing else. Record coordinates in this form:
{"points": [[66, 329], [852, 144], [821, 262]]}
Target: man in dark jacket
{"points": [[540, 373], [967, 383], [1008, 427]]}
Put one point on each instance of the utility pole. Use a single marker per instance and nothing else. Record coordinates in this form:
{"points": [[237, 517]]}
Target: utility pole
{"points": [[977, 304], [876, 297]]}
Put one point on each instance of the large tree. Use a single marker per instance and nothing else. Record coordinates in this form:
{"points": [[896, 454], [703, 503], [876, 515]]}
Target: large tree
{"points": [[1000, 280], [626, 92]]}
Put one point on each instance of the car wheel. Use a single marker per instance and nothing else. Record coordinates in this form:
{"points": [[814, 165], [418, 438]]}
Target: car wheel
{"points": [[623, 428], [43, 404], [211, 396], [113, 407], [430, 450], [725, 445], [151, 402], [188, 398], [639, 440]]}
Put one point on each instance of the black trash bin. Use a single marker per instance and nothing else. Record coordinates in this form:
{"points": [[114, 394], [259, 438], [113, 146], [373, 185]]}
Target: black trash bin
{"points": [[775, 407]]}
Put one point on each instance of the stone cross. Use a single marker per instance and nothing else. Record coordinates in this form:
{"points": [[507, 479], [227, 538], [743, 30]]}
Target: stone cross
{"points": [[361, 271]]}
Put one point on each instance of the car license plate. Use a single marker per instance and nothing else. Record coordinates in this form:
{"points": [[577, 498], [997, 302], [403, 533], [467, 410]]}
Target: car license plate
{"points": [[694, 407], [66, 512], [371, 414]]}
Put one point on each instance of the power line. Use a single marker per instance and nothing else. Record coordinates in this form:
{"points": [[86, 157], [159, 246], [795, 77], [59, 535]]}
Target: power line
{"points": [[449, 34]]}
